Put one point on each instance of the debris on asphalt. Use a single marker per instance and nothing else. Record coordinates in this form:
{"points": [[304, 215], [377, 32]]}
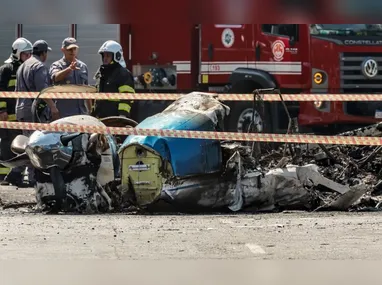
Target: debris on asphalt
{"points": [[339, 178], [351, 166], [291, 177]]}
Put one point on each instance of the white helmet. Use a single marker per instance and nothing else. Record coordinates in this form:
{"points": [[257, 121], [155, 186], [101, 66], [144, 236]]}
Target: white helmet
{"points": [[116, 49], [20, 45]]}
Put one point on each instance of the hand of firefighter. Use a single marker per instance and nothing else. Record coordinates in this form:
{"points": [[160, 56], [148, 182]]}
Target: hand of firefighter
{"points": [[73, 65], [3, 116]]}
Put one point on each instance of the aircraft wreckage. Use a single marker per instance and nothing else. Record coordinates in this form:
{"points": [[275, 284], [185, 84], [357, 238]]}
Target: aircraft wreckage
{"points": [[90, 173]]}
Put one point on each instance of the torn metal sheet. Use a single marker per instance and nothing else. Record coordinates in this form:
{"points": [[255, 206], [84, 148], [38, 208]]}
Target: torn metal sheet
{"points": [[174, 157], [292, 187], [199, 174], [71, 170], [348, 199], [213, 174]]}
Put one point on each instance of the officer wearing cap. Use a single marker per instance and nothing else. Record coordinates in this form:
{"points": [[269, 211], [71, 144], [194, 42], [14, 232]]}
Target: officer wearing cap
{"points": [[70, 70], [33, 76]]}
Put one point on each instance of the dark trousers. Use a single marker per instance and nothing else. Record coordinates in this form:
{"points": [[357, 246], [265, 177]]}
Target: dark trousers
{"points": [[7, 136], [28, 133]]}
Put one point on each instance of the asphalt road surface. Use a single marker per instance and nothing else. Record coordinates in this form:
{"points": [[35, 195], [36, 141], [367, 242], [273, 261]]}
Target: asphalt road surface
{"points": [[283, 236]]}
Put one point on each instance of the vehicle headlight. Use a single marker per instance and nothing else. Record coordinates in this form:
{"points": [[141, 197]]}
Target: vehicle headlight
{"points": [[318, 78], [322, 106], [318, 104]]}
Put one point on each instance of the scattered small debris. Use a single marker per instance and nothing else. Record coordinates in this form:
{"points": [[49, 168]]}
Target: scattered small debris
{"points": [[350, 166], [17, 205]]}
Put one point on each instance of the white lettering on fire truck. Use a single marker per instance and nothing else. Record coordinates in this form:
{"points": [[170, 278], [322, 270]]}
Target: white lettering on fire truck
{"points": [[278, 50], [214, 67], [228, 38]]}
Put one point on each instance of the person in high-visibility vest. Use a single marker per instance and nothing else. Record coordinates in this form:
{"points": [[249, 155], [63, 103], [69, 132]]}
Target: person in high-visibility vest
{"points": [[21, 51], [113, 77]]}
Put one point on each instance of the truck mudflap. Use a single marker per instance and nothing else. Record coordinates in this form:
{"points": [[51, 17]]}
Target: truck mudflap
{"points": [[259, 79], [143, 170], [247, 80]]}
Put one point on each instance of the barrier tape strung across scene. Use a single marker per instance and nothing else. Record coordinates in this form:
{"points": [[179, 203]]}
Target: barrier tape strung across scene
{"points": [[171, 96], [228, 136]]}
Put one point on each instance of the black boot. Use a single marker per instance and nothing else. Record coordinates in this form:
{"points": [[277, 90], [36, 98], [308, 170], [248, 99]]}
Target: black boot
{"points": [[3, 172], [14, 179]]}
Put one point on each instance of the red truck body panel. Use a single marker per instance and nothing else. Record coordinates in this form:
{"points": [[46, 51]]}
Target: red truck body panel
{"points": [[208, 54], [287, 69], [325, 55], [172, 45]]}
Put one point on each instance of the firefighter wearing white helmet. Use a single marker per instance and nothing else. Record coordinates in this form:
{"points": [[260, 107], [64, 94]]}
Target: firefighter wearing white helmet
{"points": [[114, 48], [21, 51], [113, 77]]}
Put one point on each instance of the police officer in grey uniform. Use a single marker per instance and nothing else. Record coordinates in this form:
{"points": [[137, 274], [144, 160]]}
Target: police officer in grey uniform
{"points": [[33, 76], [70, 70]]}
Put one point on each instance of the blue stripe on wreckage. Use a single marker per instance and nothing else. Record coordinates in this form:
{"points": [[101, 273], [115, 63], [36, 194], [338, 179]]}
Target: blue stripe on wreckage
{"points": [[187, 156]]}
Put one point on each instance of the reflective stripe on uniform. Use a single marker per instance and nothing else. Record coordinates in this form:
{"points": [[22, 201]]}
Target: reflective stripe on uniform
{"points": [[3, 105], [12, 83], [126, 88], [12, 117], [4, 170], [124, 107]]}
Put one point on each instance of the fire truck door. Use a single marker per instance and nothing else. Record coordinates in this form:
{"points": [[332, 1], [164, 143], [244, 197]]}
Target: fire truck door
{"points": [[224, 48], [277, 50]]}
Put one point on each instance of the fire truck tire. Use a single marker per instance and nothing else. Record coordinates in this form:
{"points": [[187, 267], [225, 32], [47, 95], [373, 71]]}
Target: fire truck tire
{"points": [[240, 118]]}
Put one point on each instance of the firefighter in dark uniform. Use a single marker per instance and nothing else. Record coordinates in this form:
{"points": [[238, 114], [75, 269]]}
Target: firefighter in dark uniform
{"points": [[113, 77], [21, 51]]}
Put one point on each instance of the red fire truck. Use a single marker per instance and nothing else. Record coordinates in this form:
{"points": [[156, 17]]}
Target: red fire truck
{"points": [[295, 58]]}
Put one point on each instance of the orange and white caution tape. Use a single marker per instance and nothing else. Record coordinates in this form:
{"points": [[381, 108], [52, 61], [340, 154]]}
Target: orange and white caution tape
{"points": [[228, 136], [173, 96]]}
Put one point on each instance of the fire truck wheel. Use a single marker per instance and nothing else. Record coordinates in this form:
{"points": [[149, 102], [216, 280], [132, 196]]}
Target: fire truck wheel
{"points": [[240, 119], [244, 122]]}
